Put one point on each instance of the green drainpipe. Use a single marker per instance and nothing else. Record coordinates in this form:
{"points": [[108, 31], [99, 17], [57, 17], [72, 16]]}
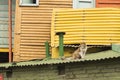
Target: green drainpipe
{"points": [[61, 48], [47, 49]]}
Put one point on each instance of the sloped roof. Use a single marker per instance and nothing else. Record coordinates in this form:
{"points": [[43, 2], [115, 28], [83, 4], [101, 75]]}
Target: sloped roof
{"points": [[89, 57]]}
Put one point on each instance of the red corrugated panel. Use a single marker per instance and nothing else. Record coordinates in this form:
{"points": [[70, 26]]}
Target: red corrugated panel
{"points": [[108, 3]]}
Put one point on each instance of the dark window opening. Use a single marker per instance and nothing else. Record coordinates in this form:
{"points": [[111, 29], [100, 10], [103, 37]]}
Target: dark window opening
{"points": [[4, 57], [29, 2], [34, 1]]}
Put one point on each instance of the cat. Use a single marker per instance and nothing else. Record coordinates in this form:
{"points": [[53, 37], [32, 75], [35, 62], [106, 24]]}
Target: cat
{"points": [[80, 52]]}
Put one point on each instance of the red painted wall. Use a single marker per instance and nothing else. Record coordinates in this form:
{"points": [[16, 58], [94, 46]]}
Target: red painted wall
{"points": [[1, 77], [108, 3]]}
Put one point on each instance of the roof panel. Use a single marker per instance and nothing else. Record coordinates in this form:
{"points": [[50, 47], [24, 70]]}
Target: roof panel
{"points": [[89, 57]]}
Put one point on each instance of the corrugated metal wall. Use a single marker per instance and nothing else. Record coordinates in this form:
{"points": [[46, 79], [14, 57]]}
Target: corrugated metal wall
{"points": [[98, 26], [108, 3], [32, 28], [93, 26], [4, 22]]}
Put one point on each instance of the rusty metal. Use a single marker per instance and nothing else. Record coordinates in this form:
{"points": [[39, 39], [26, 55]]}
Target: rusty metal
{"points": [[10, 28]]}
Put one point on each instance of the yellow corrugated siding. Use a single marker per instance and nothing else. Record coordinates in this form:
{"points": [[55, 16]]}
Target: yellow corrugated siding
{"points": [[98, 26], [93, 26]]}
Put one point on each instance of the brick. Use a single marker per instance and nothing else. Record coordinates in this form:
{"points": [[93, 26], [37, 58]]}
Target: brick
{"points": [[112, 74], [100, 78], [114, 78], [93, 71], [77, 69], [85, 78], [91, 75], [107, 70], [82, 76], [70, 76], [90, 67], [116, 65], [102, 67], [80, 72], [77, 65], [99, 75], [117, 69]]}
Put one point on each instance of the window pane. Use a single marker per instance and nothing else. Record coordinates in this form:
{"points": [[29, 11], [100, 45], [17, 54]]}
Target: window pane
{"points": [[28, 1]]}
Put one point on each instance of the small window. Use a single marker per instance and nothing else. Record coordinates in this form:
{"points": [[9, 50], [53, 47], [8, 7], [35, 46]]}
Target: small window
{"points": [[29, 2], [83, 4]]}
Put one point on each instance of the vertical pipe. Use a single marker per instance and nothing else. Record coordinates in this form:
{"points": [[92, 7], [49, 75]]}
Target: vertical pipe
{"points": [[61, 48], [47, 49], [10, 28], [61, 51]]}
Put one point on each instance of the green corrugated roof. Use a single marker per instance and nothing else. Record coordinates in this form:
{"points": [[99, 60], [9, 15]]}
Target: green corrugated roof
{"points": [[89, 57]]}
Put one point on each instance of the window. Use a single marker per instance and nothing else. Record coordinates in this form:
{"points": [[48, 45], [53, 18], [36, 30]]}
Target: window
{"points": [[83, 4], [29, 3]]}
